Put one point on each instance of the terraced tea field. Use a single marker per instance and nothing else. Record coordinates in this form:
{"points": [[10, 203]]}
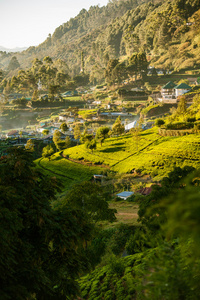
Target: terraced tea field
{"points": [[149, 153]]}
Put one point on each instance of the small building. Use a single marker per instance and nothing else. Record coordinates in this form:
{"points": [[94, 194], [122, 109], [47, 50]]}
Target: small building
{"points": [[63, 117], [99, 178], [125, 195], [51, 129], [181, 89], [13, 134], [167, 91], [15, 96], [145, 191], [67, 94], [130, 125], [170, 92]]}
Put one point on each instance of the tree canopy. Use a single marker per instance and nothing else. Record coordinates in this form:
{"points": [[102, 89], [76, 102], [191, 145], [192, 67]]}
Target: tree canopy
{"points": [[92, 199], [41, 248]]}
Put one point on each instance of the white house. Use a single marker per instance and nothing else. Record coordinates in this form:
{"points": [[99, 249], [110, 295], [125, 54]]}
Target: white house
{"points": [[181, 89], [170, 92]]}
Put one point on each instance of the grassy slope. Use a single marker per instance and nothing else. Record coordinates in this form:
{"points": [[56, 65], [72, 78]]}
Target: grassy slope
{"points": [[152, 154], [66, 171]]}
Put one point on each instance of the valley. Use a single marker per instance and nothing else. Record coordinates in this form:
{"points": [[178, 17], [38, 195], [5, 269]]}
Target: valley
{"points": [[100, 157]]}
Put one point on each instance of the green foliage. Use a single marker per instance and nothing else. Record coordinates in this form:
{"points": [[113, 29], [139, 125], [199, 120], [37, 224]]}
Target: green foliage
{"points": [[59, 143], [159, 122], [184, 211], [109, 72], [92, 199], [182, 106], [13, 64], [64, 127], [160, 191], [162, 269], [47, 151], [86, 137], [119, 238], [91, 145], [77, 132], [180, 125], [118, 127], [152, 154], [41, 248], [45, 132], [30, 145], [138, 64], [102, 134]]}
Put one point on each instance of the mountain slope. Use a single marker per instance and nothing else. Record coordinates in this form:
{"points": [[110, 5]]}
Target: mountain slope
{"points": [[167, 31], [69, 38]]}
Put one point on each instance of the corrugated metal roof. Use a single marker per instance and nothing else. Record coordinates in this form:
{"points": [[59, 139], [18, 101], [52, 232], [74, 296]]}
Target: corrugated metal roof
{"points": [[125, 194]]}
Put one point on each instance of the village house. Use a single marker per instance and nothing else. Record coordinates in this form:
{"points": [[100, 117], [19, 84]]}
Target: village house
{"points": [[51, 129], [170, 92], [63, 117], [12, 134]]}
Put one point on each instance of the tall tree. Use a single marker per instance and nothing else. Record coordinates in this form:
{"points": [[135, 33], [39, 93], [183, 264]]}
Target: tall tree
{"points": [[13, 64], [102, 134], [109, 75], [77, 132], [47, 151], [92, 199], [64, 127], [182, 106], [118, 127], [57, 138], [41, 248]]}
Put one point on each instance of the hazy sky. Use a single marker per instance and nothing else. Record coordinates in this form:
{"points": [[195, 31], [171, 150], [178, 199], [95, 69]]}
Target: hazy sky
{"points": [[25, 23]]}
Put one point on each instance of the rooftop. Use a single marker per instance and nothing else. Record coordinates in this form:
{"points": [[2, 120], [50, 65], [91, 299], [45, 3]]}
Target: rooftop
{"points": [[125, 194], [169, 85], [183, 86]]}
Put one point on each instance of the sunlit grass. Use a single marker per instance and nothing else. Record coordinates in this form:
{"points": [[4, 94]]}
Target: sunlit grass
{"points": [[147, 154]]}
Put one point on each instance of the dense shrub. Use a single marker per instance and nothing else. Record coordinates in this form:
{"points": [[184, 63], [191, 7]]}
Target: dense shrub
{"points": [[159, 122], [191, 119], [180, 125]]}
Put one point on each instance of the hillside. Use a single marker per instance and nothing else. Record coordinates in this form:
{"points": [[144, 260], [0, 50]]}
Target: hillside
{"points": [[149, 153], [78, 34], [167, 31]]}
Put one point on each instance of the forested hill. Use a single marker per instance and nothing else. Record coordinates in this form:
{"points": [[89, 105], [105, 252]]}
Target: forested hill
{"points": [[167, 31], [70, 35]]}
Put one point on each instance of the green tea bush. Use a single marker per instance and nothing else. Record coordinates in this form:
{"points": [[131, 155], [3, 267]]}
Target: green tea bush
{"points": [[116, 266], [159, 122], [180, 125], [191, 119]]}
